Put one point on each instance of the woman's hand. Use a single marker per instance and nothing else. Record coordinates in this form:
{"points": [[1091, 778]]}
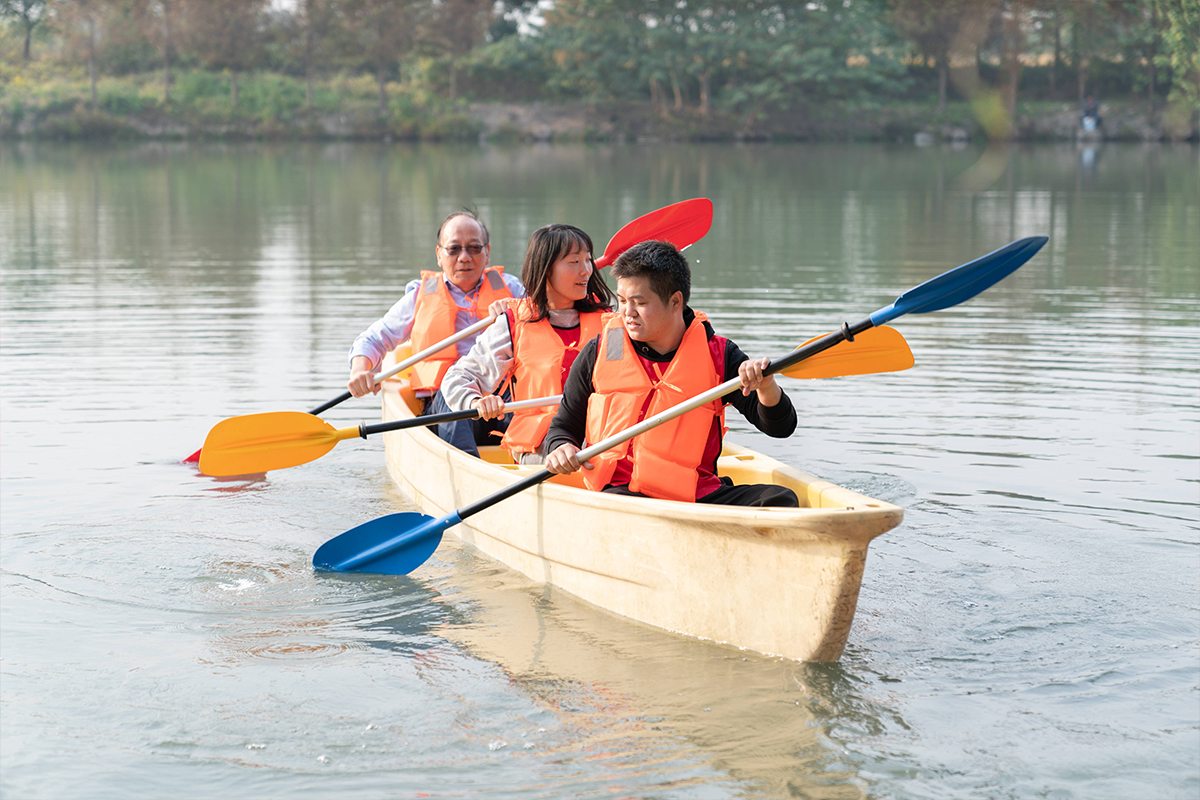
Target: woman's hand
{"points": [[490, 406], [498, 308]]}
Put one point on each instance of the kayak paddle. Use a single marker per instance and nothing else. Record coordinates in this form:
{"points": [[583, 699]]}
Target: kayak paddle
{"points": [[254, 443], [682, 224], [876, 350], [378, 378], [396, 544]]}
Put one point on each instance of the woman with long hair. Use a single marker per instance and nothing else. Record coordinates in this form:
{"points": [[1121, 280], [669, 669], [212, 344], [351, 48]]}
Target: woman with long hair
{"points": [[528, 351]]}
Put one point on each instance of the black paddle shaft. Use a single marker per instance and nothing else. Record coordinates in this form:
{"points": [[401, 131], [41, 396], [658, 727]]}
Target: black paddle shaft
{"points": [[846, 334], [365, 430], [341, 398]]}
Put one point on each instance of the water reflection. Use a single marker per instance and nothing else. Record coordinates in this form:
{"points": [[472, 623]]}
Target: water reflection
{"points": [[630, 690]]}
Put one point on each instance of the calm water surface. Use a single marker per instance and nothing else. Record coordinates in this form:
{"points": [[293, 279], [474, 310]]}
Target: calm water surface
{"points": [[1030, 631]]}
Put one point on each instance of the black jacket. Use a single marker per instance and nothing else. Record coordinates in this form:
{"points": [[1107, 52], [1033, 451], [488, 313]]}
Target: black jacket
{"points": [[570, 423]]}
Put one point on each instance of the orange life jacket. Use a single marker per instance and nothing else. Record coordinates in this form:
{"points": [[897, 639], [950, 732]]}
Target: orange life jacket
{"points": [[665, 458], [538, 354], [434, 320]]}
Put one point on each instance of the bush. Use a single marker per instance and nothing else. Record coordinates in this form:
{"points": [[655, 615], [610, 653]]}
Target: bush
{"points": [[451, 128], [84, 124]]}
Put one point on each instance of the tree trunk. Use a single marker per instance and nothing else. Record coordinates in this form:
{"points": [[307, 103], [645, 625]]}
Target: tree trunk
{"points": [[1081, 60], [166, 7], [678, 92], [381, 77], [1150, 89], [704, 79], [233, 87], [308, 51], [1057, 53], [1013, 46], [92, 58], [654, 96], [943, 73], [28, 36]]}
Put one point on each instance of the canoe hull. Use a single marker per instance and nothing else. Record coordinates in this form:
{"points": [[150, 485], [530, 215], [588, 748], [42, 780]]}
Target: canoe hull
{"points": [[778, 581]]}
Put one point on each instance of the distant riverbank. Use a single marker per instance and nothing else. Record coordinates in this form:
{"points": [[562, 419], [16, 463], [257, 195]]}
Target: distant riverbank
{"points": [[273, 107]]}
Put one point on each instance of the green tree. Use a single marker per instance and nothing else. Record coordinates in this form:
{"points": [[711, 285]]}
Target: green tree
{"points": [[931, 25], [1181, 53], [380, 33], [595, 46], [29, 13], [226, 34], [83, 23], [157, 21], [308, 34]]}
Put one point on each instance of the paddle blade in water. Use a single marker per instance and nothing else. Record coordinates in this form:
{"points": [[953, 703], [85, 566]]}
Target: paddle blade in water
{"points": [[681, 224], [962, 283], [874, 350], [256, 443], [395, 544]]}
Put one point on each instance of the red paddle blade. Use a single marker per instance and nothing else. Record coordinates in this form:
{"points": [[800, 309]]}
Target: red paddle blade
{"points": [[682, 224], [194, 458]]}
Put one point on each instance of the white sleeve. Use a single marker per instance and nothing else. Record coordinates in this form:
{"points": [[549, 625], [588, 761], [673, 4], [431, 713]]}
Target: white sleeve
{"points": [[514, 285], [389, 330], [482, 369]]}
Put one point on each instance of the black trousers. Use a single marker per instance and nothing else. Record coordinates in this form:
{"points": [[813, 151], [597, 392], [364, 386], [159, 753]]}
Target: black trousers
{"points": [[755, 494]]}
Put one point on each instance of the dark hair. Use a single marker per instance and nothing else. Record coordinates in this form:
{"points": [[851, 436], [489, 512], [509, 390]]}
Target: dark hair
{"points": [[662, 263], [547, 245], [464, 213]]}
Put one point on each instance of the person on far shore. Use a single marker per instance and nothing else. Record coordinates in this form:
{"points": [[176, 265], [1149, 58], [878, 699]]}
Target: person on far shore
{"points": [[1091, 109], [532, 346], [433, 308], [655, 353]]}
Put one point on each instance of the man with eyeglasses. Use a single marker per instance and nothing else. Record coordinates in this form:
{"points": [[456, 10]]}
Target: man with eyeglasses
{"points": [[433, 308]]}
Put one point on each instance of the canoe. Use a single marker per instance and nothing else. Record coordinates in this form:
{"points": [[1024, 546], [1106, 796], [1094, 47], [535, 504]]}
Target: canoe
{"points": [[777, 581]]}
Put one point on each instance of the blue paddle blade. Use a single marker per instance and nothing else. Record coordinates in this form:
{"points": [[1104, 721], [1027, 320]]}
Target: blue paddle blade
{"points": [[395, 544], [961, 283]]}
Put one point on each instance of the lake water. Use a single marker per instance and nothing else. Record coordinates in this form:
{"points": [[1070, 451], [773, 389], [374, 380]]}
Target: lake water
{"points": [[1031, 630]]}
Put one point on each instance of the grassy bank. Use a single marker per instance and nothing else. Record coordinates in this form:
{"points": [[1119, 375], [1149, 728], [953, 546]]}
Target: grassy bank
{"points": [[37, 102], [44, 104]]}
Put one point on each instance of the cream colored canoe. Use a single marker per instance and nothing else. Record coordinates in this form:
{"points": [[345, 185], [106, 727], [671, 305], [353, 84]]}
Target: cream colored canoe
{"points": [[778, 581]]}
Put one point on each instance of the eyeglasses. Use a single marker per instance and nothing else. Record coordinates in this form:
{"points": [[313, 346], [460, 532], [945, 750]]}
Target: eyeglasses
{"points": [[454, 249]]}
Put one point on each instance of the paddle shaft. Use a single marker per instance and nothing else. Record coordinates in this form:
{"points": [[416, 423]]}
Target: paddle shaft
{"points": [[408, 362], [365, 430]]}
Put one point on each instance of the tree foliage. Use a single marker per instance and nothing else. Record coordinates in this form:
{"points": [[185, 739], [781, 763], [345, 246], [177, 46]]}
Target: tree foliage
{"points": [[742, 58]]}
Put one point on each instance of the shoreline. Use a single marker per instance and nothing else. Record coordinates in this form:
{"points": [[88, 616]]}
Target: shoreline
{"points": [[1128, 121]]}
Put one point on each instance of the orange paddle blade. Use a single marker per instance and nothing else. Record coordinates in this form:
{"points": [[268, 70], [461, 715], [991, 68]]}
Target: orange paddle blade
{"points": [[255, 443], [880, 349]]}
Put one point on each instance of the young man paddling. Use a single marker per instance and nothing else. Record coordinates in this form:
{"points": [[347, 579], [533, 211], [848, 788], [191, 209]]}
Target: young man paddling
{"points": [[433, 308], [653, 354]]}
